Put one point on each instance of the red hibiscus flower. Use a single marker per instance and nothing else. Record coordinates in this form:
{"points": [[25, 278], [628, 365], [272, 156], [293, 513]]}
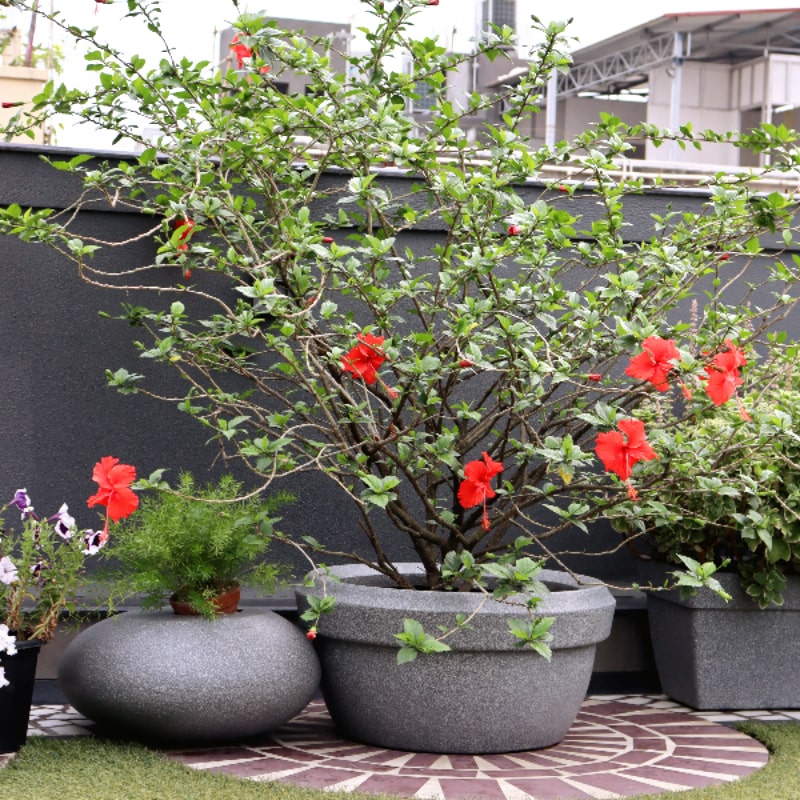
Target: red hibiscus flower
{"points": [[620, 450], [114, 480], [476, 488], [723, 373], [655, 362], [240, 50], [365, 358], [724, 376]]}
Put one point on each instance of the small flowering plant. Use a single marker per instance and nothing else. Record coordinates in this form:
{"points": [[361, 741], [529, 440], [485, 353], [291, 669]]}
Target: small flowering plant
{"points": [[42, 559], [733, 494], [475, 355]]}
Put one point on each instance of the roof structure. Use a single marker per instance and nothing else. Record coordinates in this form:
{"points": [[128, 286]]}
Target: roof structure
{"points": [[624, 60]]}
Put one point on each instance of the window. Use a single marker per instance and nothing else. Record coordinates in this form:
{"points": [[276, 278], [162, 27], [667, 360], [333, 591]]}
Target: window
{"points": [[499, 12], [426, 99]]}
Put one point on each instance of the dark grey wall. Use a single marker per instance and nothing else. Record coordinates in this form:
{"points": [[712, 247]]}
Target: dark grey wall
{"points": [[56, 415]]}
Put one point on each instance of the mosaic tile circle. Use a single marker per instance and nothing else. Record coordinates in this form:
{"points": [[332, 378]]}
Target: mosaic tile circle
{"points": [[613, 750]]}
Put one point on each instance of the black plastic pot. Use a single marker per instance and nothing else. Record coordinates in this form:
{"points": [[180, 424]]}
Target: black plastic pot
{"points": [[15, 699]]}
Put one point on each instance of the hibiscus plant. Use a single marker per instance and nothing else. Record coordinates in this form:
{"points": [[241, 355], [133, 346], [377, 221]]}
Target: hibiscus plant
{"points": [[733, 496], [42, 560], [522, 376]]}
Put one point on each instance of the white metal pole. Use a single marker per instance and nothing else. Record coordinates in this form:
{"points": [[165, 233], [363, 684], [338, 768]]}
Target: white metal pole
{"points": [[551, 110], [678, 53]]}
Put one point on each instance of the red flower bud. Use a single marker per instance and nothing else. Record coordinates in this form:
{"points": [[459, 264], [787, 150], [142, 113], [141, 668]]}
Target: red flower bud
{"points": [[465, 363], [187, 273], [514, 230], [594, 376], [563, 188], [327, 239], [433, 2], [183, 222], [724, 257], [10, 104], [311, 634]]}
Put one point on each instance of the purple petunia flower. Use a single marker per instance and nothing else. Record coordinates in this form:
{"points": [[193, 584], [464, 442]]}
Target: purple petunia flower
{"points": [[36, 572], [23, 502], [64, 522], [93, 541]]}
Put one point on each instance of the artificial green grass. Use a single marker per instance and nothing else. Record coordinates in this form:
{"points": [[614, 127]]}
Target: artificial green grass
{"points": [[78, 768]]}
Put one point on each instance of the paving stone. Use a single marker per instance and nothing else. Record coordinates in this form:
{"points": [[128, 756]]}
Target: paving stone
{"points": [[620, 746]]}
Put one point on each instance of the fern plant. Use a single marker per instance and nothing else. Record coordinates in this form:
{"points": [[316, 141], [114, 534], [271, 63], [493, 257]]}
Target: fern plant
{"points": [[193, 543]]}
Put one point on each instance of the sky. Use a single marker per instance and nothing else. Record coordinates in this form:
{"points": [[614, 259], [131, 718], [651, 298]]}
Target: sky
{"points": [[194, 34]]}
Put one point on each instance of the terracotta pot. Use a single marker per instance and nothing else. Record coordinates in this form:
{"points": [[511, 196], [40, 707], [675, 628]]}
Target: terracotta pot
{"points": [[225, 603]]}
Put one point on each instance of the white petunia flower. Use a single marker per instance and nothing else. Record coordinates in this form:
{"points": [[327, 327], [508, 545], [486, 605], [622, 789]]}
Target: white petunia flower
{"points": [[7, 641], [8, 572]]}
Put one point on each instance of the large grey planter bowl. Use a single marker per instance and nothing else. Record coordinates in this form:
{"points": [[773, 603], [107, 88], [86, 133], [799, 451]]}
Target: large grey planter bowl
{"points": [[157, 676], [716, 655], [486, 696]]}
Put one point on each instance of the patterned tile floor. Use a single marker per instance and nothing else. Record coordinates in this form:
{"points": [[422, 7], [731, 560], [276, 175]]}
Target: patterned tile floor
{"points": [[620, 745]]}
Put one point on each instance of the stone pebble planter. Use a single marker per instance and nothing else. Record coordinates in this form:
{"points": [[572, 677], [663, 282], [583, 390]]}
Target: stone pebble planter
{"points": [[713, 655], [185, 679], [487, 695]]}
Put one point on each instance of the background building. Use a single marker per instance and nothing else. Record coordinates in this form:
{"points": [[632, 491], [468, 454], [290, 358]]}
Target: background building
{"points": [[338, 37], [718, 71], [18, 83], [723, 71]]}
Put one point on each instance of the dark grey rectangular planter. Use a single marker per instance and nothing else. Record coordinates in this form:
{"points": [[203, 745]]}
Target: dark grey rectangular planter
{"points": [[716, 655]]}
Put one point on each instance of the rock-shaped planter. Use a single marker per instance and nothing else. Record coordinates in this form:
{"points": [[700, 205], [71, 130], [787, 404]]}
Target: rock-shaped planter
{"points": [[186, 679], [487, 695], [716, 655]]}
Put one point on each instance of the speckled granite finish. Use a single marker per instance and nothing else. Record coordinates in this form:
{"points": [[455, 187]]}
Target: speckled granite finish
{"points": [[186, 679], [716, 655], [487, 695]]}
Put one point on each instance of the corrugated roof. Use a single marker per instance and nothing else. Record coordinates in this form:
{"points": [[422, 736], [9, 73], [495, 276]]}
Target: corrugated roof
{"points": [[720, 36]]}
